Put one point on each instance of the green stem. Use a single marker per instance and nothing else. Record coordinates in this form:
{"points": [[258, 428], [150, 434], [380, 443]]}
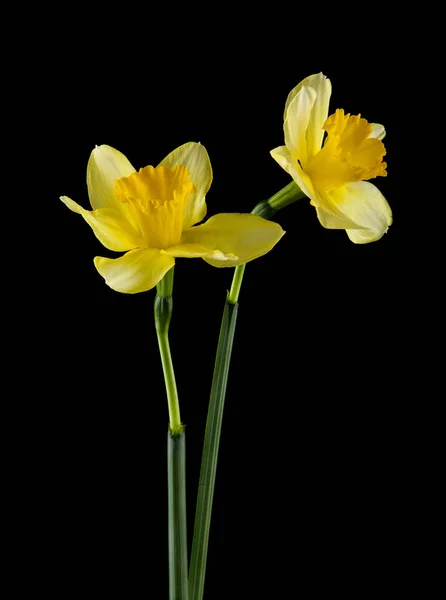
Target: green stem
{"points": [[176, 449], [284, 197], [210, 453], [265, 209], [171, 387], [236, 284], [163, 314], [176, 484]]}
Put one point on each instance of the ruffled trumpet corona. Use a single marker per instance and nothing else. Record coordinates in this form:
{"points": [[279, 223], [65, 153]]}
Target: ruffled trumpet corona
{"points": [[152, 216], [333, 172]]}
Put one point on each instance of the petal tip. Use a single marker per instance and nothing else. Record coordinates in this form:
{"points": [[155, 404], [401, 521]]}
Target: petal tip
{"points": [[71, 204]]}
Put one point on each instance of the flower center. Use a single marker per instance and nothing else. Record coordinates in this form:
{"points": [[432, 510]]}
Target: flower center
{"points": [[349, 153], [156, 198]]}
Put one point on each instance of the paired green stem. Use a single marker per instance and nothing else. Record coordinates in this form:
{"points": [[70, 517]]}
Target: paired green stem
{"points": [[265, 209], [179, 585], [176, 449]]}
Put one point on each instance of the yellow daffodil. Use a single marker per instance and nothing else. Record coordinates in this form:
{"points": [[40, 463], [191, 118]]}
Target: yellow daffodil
{"points": [[332, 174], [151, 215]]}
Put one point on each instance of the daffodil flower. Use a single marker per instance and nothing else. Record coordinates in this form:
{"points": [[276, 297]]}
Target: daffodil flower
{"points": [[151, 215], [333, 174]]}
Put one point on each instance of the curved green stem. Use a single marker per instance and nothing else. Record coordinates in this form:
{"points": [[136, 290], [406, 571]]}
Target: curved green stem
{"points": [[284, 197], [163, 314], [171, 386]]}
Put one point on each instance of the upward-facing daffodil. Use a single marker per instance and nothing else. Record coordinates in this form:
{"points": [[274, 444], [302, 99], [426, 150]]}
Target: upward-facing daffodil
{"points": [[332, 174], [150, 215]]}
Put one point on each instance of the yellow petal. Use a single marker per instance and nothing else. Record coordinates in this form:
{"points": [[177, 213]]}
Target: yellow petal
{"points": [[136, 271], [289, 163], [332, 214], [363, 204], [195, 157], [322, 86], [297, 122], [109, 226], [330, 217], [239, 237], [105, 166], [378, 131]]}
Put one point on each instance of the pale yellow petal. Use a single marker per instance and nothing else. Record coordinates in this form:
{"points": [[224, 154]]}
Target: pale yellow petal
{"points": [[315, 133], [331, 213], [289, 163], [363, 204], [378, 131], [109, 226], [195, 157], [105, 166], [243, 236], [331, 218], [297, 122], [136, 271]]}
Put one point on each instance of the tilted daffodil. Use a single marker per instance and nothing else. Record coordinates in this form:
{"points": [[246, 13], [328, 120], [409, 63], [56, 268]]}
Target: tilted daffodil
{"points": [[151, 215], [333, 172]]}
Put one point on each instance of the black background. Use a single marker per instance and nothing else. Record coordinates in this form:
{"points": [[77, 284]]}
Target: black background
{"points": [[308, 486]]}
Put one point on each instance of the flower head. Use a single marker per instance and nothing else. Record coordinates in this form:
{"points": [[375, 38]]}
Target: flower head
{"points": [[333, 172], [151, 215]]}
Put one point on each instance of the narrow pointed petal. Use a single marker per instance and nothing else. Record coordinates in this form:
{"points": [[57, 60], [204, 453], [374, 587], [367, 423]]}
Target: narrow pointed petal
{"points": [[378, 131], [109, 226], [315, 133], [239, 237], [136, 271], [105, 166], [297, 122], [363, 204], [195, 157]]}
